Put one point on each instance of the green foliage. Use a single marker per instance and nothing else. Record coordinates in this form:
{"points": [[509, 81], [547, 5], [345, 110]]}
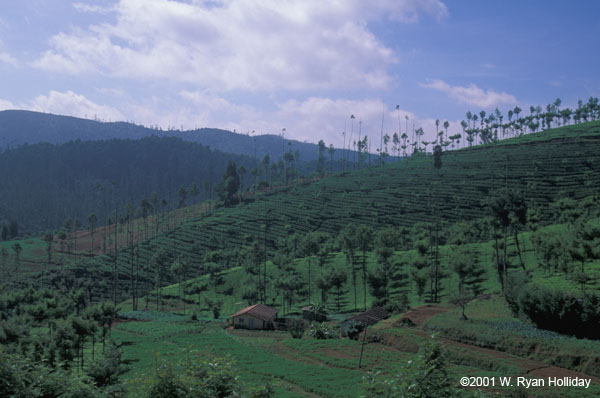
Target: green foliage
{"points": [[320, 331], [202, 376], [106, 171], [229, 187], [23, 378], [296, 327], [423, 377], [560, 311], [108, 370], [491, 326], [214, 305]]}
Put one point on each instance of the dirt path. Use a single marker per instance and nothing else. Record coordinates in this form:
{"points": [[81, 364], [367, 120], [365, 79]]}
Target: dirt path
{"points": [[420, 315], [529, 367]]}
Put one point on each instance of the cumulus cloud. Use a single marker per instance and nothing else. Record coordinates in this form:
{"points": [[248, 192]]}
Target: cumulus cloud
{"points": [[71, 104], [5, 104], [82, 7], [248, 45], [471, 94], [6, 58], [311, 120]]}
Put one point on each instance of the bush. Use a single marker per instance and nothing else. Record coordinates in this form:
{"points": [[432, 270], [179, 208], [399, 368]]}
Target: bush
{"points": [[556, 310], [352, 329], [106, 372], [203, 377], [320, 331], [296, 327], [423, 377]]}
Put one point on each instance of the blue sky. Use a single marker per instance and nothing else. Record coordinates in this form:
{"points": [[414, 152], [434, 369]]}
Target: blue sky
{"points": [[302, 65]]}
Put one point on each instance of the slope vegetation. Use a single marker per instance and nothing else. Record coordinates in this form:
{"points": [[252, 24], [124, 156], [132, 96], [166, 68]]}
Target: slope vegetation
{"points": [[547, 166]]}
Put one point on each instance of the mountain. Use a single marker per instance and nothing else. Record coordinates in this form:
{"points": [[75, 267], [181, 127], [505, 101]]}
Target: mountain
{"points": [[18, 127]]}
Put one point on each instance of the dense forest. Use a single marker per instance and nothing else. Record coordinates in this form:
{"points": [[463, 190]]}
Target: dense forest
{"points": [[45, 184]]}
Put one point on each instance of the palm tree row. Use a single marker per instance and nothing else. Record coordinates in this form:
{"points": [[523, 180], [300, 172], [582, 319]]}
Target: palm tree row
{"points": [[487, 128]]}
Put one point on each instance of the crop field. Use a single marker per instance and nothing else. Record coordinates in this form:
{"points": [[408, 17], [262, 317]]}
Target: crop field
{"points": [[563, 162], [328, 368], [234, 280]]}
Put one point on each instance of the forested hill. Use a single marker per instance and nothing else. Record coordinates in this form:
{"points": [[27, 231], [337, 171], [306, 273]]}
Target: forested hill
{"points": [[542, 167], [44, 184], [20, 127]]}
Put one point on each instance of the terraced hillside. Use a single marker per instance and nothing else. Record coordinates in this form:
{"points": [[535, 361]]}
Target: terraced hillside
{"points": [[547, 166]]}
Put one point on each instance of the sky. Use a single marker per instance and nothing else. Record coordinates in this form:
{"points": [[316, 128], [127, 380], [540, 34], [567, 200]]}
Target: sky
{"points": [[306, 66]]}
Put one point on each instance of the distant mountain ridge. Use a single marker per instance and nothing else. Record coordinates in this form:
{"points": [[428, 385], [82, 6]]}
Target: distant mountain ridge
{"points": [[18, 127]]}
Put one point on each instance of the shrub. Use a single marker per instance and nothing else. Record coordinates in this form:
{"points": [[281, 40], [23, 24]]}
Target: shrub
{"points": [[352, 329], [423, 377], [106, 372], [556, 310], [296, 327], [203, 377], [320, 331]]}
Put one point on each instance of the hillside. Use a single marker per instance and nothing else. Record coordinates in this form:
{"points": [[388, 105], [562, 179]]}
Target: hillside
{"points": [[546, 167], [20, 127], [44, 184]]}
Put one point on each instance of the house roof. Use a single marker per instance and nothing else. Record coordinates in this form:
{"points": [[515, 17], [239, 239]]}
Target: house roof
{"points": [[259, 311], [370, 317]]}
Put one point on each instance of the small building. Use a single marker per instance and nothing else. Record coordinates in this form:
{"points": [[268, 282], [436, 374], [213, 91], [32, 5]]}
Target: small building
{"points": [[256, 317], [311, 313], [358, 322]]}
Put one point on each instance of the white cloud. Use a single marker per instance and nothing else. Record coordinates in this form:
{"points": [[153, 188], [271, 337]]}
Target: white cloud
{"points": [[82, 7], [250, 45], [5, 104], [309, 120], [72, 104], [8, 59], [471, 94]]}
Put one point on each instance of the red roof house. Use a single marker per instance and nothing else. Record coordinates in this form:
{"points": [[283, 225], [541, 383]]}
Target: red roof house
{"points": [[257, 316]]}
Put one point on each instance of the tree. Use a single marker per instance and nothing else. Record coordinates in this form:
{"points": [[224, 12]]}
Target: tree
{"points": [[107, 371], [469, 272], [3, 256], [331, 152], [425, 376], [214, 305], [92, 223], [13, 229], [17, 249], [310, 247], [159, 262], [437, 157], [509, 213], [364, 240], [182, 194], [266, 163], [291, 284], [386, 282], [194, 191], [179, 268], [228, 188], [321, 158], [49, 239], [349, 247], [337, 279]]}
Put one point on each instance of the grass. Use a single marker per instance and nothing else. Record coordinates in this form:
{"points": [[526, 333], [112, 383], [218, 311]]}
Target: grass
{"points": [[491, 325]]}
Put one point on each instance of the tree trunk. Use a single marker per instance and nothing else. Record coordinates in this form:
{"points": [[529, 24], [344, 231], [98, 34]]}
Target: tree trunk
{"points": [[519, 250], [364, 268]]}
